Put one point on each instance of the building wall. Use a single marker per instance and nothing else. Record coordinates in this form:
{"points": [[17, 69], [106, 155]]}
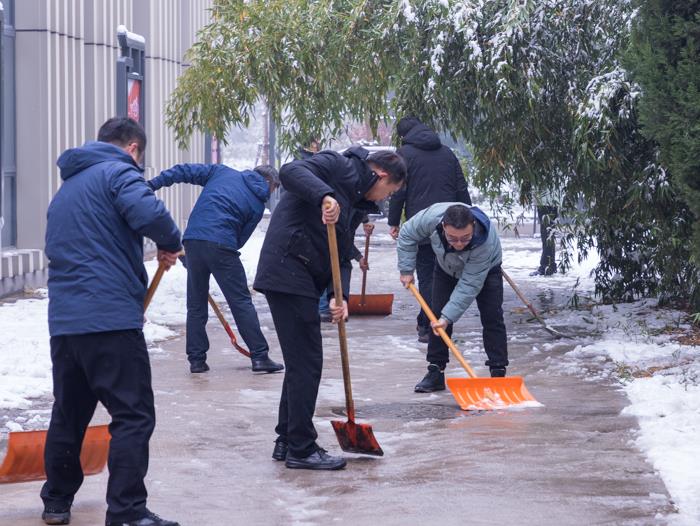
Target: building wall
{"points": [[66, 55]]}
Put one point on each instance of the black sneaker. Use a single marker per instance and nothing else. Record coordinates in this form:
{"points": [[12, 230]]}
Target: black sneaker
{"points": [[280, 451], [319, 459], [55, 516], [497, 372], [265, 365], [433, 381], [151, 519], [199, 367]]}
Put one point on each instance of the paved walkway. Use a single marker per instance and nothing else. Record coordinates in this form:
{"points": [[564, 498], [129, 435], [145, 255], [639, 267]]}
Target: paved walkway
{"points": [[570, 462]]}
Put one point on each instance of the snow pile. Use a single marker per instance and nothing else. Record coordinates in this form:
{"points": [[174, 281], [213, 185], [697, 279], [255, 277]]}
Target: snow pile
{"points": [[662, 380], [25, 360]]}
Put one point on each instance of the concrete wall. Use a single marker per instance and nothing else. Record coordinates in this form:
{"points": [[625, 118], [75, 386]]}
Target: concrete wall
{"points": [[65, 57]]}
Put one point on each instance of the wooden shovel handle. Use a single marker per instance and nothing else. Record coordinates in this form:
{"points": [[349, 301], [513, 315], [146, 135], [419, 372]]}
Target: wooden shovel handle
{"points": [[227, 327], [445, 337], [338, 291], [364, 272], [522, 296], [154, 285]]}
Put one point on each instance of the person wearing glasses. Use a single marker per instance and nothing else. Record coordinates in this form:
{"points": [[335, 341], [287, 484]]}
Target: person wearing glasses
{"points": [[467, 267]]}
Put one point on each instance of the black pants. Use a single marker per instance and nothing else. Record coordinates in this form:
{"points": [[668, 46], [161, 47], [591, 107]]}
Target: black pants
{"points": [[490, 304], [205, 258], [425, 263], [112, 368], [298, 329], [546, 216]]}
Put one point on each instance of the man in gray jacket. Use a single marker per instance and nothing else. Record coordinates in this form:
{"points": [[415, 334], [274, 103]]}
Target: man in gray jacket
{"points": [[468, 266]]}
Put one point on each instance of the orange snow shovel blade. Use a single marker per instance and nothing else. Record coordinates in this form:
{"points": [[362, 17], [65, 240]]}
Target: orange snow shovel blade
{"points": [[475, 393], [356, 438], [370, 304], [24, 461], [482, 394]]}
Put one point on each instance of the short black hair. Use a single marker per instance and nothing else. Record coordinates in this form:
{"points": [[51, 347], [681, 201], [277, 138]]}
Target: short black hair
{"points": [[269, 173], [122, 131], [458, 216], [390, 162]]}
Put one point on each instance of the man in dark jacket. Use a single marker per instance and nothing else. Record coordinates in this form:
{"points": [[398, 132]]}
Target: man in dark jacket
{"points": [[223, 218], [97, 283], [434, 176], [294, 269]]}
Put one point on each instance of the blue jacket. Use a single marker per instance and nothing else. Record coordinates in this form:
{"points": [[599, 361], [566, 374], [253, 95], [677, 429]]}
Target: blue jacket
{"points": [[230, 207], [94, 241]]}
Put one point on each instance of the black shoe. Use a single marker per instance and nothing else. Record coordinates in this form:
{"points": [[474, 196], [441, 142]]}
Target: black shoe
{"points": [[433, 381], [151, 519], [265, 365], [280, 451], [53, 516], [199, 367], [497, 372], [537, 272], [423, 334], [319, 459]]}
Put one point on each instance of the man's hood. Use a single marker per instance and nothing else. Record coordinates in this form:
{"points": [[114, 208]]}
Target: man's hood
{"points": [[75, 160], [422, 137], [481, 231], [367, 178], [255, 182]]}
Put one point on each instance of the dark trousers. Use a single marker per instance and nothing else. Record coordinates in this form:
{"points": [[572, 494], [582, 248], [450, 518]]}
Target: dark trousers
{"points": [[425, 263], [205, 258], [546, 216], [299, 332], [490, 304], [112, 368]]}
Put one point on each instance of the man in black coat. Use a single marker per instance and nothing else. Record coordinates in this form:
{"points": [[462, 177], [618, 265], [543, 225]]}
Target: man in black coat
{"points": [[434, 176], [294, 270]]}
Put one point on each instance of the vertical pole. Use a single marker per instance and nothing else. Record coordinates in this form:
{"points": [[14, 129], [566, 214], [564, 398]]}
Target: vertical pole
{"points": [[2, 123], [265, 154]]}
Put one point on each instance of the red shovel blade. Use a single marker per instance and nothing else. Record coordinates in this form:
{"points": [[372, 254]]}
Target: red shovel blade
{"points": [[356, 438]]}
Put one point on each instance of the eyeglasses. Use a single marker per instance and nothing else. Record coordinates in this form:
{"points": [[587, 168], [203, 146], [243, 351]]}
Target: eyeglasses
{"points": [[462, 239]]}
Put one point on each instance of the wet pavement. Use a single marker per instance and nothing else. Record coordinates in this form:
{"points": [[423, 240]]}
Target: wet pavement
{"points": [[571, 462]]}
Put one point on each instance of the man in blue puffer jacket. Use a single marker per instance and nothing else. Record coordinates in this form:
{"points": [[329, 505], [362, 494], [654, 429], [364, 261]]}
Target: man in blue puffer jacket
{"points": [[97, 283], [225, 215]]}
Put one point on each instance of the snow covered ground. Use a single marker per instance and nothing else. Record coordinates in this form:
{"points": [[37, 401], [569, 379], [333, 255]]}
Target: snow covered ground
{"points": [[633, 344]]}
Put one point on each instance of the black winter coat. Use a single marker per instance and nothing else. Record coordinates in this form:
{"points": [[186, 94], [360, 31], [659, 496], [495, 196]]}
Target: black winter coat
{"points": [[434, 175], [295, 258]]}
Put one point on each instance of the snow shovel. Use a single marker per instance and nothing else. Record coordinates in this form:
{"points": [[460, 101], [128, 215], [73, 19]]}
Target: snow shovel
{"points": [[352, 437], [227, 327], [369, 304], [476, 393], [534, 312], [24, 460]]}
